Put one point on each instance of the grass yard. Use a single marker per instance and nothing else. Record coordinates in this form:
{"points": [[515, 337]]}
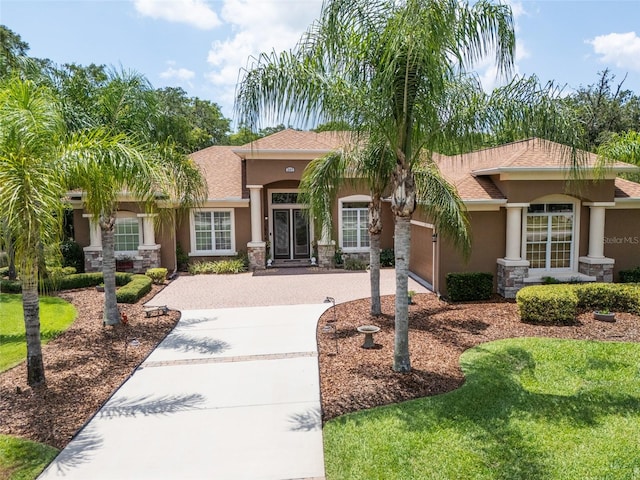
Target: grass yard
{"points": [[22, 459], [530, 408], [55, 317]]}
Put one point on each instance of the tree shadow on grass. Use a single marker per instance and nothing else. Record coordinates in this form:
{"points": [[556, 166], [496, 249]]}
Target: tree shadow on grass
{"points": [[505, 392]]}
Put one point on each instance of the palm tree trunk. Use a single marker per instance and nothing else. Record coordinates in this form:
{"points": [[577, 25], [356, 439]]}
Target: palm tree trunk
{"points": [[111, 314], [401, 360], [374, 273], [31, 306], [375, 229]]}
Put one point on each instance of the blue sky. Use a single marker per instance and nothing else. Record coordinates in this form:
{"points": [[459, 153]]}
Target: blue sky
{"points": [[200, 45]]}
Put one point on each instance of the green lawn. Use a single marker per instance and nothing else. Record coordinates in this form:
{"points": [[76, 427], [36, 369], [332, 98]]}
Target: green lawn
{"points": [[529, 409], [55, 317], [22, 459]]}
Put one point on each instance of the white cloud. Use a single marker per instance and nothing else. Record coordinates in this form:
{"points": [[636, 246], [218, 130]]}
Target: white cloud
{"points": [[256, 26], [180, 74], [193, 12], [619, 49]]}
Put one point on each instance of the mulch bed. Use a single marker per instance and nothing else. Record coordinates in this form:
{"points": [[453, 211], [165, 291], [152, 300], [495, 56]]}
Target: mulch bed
{"points": [[356, 378], [83, 367], [87, 363]]}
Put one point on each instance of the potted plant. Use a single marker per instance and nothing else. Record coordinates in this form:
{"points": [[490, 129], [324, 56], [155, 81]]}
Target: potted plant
{"points": [[604, 315]]}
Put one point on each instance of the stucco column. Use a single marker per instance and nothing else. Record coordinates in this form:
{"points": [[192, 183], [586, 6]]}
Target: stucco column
{"points": [[596, 231], [255, 196], [95, 235], [148, 231], [514, 231]]}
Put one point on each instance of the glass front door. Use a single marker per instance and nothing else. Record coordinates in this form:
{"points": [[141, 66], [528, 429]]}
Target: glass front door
{"points": [[290, 234]]}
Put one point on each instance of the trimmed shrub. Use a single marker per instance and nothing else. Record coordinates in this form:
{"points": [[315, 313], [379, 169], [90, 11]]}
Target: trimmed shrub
{"points": [[548, 304], [469, 286], [157, 275], [387, 258], [354, 263], [4, 271], [630, 276], [234, 265], [133, 291], [609, 296], [10, 286]]}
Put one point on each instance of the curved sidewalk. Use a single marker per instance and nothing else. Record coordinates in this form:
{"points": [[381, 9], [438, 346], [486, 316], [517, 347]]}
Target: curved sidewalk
{"points": [[231, 393]]}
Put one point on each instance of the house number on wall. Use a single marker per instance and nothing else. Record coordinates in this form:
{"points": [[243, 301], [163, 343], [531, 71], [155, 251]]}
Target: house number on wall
{"points": [[289, 170]]}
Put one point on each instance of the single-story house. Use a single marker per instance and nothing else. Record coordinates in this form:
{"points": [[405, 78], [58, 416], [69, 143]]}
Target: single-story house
{"points": [[526, 222]]}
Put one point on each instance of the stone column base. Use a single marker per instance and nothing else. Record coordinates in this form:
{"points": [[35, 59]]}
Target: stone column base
{"points": [[148, 257], [326, 254], [257, 253], [601, 268], [92, 259], [510, 276]]}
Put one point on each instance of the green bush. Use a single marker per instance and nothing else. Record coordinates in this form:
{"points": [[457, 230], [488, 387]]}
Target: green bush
{"points": [[4, 271], [4, 260], [234, 265], [182, 258], [157, 275], [387, 258], [548, 304], [133, 291], [72, 255], [337, 257], [609, 296], [469, 286], [630, 276], [67, 282], [355, 264], [10, 286]]}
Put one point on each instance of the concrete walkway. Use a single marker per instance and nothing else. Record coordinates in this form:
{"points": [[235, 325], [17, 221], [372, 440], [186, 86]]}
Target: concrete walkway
{"points": [[231, 393]]}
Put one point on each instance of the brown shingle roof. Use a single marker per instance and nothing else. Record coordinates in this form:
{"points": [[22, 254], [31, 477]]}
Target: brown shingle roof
{"points": [[297, 140], [223, 171], [626, 189]]}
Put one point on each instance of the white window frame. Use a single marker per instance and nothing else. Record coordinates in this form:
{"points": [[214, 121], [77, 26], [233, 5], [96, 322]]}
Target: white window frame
{"points": [[214, 251], [123, 214], [555, 199], [341, 202]]}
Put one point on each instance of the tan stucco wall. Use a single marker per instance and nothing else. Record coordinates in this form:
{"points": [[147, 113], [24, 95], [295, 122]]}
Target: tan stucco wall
{"points": [[81, 228], [622, 239], [421, 262], [523, 191], [488, 231], [263, 172]]}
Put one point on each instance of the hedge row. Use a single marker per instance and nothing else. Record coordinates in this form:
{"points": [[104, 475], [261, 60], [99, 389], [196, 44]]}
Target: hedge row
{"points": [[559, 304], [133, 291], [67, 282], [469, 286]]}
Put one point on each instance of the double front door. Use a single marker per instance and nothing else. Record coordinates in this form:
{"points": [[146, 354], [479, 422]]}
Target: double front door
{"points": [[290, 234]]}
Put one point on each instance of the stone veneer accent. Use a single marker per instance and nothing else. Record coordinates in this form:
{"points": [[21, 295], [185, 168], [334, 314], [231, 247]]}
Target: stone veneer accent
{"points": [[257, 253], [510, 276], [326, 254], [601, 268], [148, 257]]}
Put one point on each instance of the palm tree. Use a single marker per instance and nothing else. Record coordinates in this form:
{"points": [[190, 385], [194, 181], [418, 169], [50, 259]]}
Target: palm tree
{"points": [[146, 171], [31, 192], [398, 72]]}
